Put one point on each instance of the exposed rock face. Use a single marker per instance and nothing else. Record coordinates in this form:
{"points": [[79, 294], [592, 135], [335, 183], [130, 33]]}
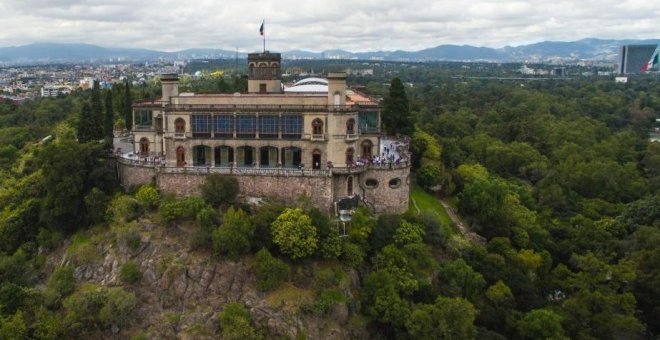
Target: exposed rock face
{"points": [[180, 293]]}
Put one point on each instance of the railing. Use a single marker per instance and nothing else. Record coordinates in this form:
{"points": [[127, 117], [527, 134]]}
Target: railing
{"points": [[317, 137], [256, 107], [179, 135], [352, 136]]}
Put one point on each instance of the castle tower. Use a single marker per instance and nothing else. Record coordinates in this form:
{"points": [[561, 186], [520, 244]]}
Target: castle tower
{"points": [[264, 74], [170, 86], [336, 89]]}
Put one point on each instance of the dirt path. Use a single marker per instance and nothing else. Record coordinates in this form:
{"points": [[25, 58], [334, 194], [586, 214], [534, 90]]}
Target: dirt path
{"points": [[462, 226]]}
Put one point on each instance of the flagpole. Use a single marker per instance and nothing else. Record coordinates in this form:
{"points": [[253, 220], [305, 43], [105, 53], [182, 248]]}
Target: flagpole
{"points": [[264, 24]]}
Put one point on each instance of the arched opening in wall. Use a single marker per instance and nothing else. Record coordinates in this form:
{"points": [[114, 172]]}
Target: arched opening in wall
{"points": [[316, 159], [367, 146], [350, 126], [317, 127], [395, 183], [223, 156], [144, 147], [349, 186], [291, 157], [371, 183], [337, 98], [350, 156], [179, 125], [245, 156], [201, 155], [180, 156], [267, 157]]}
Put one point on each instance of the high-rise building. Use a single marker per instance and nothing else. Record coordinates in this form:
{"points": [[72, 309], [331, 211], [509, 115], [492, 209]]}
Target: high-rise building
{"points": [[633, 58]]}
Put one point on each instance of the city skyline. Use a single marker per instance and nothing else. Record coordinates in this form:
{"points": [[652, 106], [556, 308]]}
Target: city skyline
{"points": [[357, 26]]}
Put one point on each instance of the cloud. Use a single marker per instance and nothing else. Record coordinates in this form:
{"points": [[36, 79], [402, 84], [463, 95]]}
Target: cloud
{"points": [[365, 25]]}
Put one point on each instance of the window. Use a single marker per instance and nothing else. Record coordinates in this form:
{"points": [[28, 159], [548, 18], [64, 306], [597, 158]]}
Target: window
{"points": [[144, 147], [371, 183], [180, 156], [291, 157], [349, 186], [366, 149], [316, 159], [268, 126], [349, 156], [262, 88], [337, 98], [350, 126], [179, 125], [223, 156], [292, 126], [201, 155], [395, 183], [245, 156], [143, 119], [201, 125], [223, 126], [268, 157], [317, 127], [246, 126]]}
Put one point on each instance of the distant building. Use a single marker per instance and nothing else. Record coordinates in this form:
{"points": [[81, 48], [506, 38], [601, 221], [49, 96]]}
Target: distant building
{"points": [[634, 58], [54, 90]]}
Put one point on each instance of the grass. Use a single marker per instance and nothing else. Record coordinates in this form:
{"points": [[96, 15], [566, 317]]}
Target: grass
{"points": [[289, 298], [430, 205]]}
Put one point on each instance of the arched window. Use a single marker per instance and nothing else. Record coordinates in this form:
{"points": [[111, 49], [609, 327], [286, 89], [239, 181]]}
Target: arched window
{"points": [[317, 126], [144, 147], [349, 186], [179, 125], [350, 126], [366, 149], [349, 156], [180, 156], [337, 98]]}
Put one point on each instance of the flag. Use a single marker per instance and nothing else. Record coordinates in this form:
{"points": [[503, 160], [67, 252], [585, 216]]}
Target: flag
{"points": [[261, 29], [652, 64]]}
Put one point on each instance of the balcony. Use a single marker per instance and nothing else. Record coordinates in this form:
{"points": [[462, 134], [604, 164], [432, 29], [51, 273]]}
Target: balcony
{"points": [[352, 137], [180, 135], [317, 137]]}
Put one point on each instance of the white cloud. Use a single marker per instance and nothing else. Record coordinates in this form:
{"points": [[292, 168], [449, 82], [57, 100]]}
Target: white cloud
{"points": [[365, 25]]}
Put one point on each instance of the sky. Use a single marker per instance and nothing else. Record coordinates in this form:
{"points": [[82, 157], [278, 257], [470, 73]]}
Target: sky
{"points": [[313, 25]]}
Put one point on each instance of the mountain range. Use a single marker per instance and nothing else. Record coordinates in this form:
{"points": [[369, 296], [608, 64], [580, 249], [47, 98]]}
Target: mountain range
{"points": [[593, 49]]}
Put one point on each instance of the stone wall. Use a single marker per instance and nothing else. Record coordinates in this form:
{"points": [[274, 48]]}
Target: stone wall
{"points": [[387, 198], [132, 176]]}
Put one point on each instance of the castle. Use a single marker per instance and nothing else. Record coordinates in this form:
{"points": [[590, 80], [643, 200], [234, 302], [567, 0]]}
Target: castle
{"points": [[316, 138]]}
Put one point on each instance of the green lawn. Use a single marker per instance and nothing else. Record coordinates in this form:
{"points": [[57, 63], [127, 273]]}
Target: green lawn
{"points": [[429, 205]]}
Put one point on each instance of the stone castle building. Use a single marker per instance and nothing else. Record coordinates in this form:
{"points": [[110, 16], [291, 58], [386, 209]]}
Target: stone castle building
{"points": [[316, 138]]}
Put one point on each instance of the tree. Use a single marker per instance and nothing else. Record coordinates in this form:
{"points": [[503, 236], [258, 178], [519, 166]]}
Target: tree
{"points": [[396, 116], [447, 318], [148, 196], [381, 299], [128, 106], [86, 126], [541, 324], [236, 323], [234, 235], [218, 189], [108, 117], [294, 233], [97, 111], [457, 278], [271, 271]]}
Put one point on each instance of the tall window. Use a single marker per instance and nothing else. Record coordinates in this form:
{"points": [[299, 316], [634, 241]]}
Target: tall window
{"points": [[143, 119], [366, 149], [317, 126], [268, 126], [144, 147], [201, 125], [223, 126], [349, 156], [350, 126], [292, 126], [179, 125], [349, 186], [180, 156], [337, 98], [246, 126]]}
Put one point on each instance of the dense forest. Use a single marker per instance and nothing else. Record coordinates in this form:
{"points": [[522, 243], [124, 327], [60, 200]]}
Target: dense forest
{"points": [[558, 177]]}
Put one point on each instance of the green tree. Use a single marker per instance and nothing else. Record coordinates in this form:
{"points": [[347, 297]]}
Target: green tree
{"points": [[97, 111], [108, 117], [13, 327], [381, 300], [148, 196], [541, 324], [233, 237], [86, 123], [396, 115], [127, 109], [457, 278], [218, 189], [271, 271], [294, 233], [236, 323], [447, 318], [129, 272]]}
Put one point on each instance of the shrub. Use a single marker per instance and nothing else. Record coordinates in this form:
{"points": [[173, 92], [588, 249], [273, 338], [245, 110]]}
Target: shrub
{"points": [[218, 189], [96, 203], [148, 196], [352, 254], [82, 250], [94, 306], [49, 239], [207, 220], [60, 284], [408, 233], [171, 211], [128, 235], [234, 235], [124, 208], [236, 323], [294, 233], [129, 273], [271, 272]]}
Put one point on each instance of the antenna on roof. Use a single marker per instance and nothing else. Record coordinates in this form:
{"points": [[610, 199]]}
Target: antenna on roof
{"points": [[262, 31]]}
